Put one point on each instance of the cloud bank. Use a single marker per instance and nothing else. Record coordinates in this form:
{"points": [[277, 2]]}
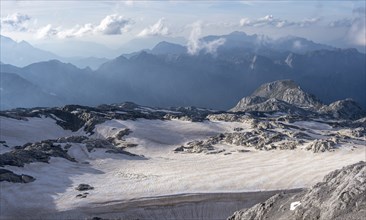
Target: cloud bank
{"points": [[357, 31], [113, 25], [270, 20], [15, 22], [110, 25], [195, 44]]}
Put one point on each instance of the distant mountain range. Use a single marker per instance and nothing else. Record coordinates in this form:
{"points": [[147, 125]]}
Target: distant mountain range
{"points": [[22, 54], [167, 75]]}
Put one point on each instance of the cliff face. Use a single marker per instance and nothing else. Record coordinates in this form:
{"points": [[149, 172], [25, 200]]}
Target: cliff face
{"points": [[341, 195]]}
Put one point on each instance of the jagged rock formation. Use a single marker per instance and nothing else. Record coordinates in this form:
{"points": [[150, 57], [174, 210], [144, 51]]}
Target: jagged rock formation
{"points": [[341, 195]]}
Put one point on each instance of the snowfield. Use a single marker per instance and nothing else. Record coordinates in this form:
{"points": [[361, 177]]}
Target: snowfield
{"points": [[119, 179], [18, 132]]}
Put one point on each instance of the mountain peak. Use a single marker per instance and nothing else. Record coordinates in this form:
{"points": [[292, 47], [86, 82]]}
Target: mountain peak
{"points": [[282, 90], [165, 47]]}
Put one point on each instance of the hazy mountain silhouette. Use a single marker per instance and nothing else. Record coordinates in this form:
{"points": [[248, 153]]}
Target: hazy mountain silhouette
{"points": [[168, 76], [22, 54], [18, 92]]}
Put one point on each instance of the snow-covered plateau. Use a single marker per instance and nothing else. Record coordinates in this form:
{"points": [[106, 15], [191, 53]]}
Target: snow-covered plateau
{"points": [[151, 171]]}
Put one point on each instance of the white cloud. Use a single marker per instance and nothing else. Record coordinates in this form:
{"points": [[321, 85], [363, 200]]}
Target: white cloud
{"points": [[47, 32], [77, 31], [110, 25], [129, 2], [195, 44], [113, 25], [157, 29], [297, 45], [270, 20], [357, 32], [307, 22], [211, 47], [16, 22]]}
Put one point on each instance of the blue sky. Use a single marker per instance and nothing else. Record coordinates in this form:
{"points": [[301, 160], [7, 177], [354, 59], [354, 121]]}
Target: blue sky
{"points": [[116, 23]]}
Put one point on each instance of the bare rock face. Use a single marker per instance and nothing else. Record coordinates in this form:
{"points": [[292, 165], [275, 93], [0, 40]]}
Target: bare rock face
{"points": [[340, 196]]}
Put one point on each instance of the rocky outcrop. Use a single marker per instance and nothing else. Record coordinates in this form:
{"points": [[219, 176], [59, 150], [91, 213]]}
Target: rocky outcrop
{"points": [[9, 176], [72, 139], [36, 152], [44, 150], [230, 117], [344, 109], [84, 187], [341, 195], [322, 145], [259, 139], [200, 145]]}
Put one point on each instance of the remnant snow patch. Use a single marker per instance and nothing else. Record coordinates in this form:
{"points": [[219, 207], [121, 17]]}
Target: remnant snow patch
{"points": [[294, 205]]}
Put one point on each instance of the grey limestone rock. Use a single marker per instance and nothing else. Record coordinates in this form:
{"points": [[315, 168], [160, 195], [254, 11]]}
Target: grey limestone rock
{"points": [[341, 195]]}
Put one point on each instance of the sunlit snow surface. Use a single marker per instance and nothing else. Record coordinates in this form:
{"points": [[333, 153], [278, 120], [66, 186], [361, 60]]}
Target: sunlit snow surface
{"points": [[117, 178]]}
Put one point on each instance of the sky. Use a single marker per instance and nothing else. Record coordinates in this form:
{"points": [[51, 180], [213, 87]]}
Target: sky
{"points": [[135, 24]]}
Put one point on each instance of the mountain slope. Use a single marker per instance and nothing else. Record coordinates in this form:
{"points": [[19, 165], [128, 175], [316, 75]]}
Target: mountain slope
{"points": [[18, 92], [66, 81]]}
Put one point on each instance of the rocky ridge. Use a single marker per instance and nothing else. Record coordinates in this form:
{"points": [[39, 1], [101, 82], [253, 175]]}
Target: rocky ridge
{"points": [[276, 132], [341, 195]]}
